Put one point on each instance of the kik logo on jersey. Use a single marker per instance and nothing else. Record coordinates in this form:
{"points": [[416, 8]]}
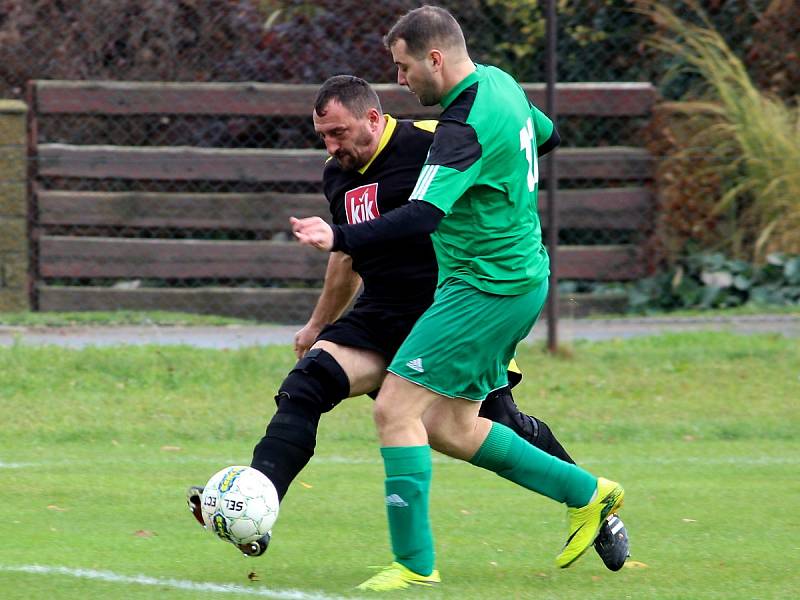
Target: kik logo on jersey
{"points": [[361, 204]]}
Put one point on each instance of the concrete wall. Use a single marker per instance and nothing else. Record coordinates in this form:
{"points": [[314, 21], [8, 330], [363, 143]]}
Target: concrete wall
{"points": [[13, 208]]}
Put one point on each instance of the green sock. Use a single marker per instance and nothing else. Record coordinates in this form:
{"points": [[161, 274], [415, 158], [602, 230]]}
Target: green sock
{"points": [[511, 457], [408, 484]]}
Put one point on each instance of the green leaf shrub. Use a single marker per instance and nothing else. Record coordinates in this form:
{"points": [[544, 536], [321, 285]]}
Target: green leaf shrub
{"points": [[707, 280]]}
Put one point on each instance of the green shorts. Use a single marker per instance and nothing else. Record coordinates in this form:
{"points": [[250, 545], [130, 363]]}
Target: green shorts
{"points": [[461, 346]]}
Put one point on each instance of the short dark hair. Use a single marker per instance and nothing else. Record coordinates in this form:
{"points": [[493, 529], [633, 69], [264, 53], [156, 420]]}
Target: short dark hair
{"points": [[355, 94], [424, 28]]}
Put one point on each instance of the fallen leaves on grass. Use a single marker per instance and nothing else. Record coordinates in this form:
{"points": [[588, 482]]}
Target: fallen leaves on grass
{"points": [[635, 564], [144, 533]]}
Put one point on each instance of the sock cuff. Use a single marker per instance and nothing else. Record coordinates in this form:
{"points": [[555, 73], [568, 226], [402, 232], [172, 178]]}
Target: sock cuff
{"points": [[406, 460], [495, 448]]}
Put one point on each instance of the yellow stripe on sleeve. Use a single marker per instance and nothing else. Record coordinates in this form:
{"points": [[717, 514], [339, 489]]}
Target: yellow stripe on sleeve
{"points": [[428, 125]]}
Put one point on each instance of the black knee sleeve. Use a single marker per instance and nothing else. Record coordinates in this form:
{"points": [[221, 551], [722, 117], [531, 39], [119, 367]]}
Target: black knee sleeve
{"points": [[315, 385], [317, 379], [546, 441], [500, 407]]}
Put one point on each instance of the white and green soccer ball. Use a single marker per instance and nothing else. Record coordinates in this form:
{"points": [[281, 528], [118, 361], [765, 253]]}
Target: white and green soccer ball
{"points": [[239, 504]]}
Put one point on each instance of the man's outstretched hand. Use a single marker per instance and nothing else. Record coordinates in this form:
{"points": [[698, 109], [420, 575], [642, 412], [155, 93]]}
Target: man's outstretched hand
{"points": [[313, 231]]}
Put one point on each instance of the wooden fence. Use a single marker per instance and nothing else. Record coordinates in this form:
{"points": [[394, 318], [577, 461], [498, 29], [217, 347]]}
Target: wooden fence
{"points": [[79, 265]]}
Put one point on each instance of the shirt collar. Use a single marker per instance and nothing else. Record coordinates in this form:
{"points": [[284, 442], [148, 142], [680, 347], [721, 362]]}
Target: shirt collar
{"points": [[459, 87], [391, 123]]}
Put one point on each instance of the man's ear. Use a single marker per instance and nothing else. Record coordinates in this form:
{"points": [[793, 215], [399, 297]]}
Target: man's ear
{"points": [[374, 116], [436, 58]]}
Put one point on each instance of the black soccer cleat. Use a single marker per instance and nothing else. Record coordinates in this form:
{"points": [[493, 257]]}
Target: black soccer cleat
{"points": [[612, 543], [194, 497], [258, 547]]}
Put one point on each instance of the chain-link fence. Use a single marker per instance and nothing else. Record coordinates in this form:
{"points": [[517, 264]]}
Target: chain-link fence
{"points": [[148, 194]]}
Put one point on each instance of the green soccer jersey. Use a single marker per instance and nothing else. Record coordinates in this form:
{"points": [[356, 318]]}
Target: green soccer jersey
{"points": [[482, 173]]}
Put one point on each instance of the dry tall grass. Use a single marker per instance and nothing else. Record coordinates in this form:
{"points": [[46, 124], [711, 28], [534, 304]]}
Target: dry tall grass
{"points": [[752, 139]]}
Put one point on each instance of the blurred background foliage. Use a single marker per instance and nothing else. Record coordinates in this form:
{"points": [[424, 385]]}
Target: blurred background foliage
{"points": [[725, 137], [728, 178], [301, 41]]}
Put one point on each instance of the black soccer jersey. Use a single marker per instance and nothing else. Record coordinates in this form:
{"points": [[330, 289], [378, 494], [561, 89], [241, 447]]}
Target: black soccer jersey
{"points": [[398, 275]]}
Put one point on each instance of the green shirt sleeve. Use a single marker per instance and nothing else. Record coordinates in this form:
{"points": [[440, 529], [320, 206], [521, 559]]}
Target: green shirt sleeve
{"points": [[452, 166], [542, 125]]}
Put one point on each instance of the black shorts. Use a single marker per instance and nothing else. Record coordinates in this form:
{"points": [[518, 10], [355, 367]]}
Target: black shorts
{"points": [[381, 329], [372, 327]]}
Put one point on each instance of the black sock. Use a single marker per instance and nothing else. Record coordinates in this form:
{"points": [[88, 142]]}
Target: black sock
{"points": [[287, 445]]}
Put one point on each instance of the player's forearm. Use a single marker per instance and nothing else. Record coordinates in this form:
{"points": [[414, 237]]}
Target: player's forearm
{"points": [[340, 286], [413, 218]]}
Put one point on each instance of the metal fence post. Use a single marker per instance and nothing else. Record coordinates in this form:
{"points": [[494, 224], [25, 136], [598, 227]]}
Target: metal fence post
{"points": [[13, 211], [552, 181]]}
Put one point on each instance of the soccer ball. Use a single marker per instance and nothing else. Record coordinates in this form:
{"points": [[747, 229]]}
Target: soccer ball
{"points": [[239, 504]]}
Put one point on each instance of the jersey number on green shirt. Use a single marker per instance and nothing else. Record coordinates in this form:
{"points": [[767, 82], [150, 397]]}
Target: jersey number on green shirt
{"points": [[526, 144]]}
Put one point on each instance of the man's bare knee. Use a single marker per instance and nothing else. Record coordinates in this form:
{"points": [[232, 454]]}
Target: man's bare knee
{"points": [[398, 411], [384, 415]]}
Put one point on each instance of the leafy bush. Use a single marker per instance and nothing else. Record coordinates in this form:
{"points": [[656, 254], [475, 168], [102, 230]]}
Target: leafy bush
{"points": [[170, 40], [307, 42], [688, 187], [711, 280], [774, 56]]}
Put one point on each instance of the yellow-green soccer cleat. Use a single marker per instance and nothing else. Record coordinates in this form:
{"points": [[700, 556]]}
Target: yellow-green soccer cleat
{"points": [[398, 577], [585, 522]]}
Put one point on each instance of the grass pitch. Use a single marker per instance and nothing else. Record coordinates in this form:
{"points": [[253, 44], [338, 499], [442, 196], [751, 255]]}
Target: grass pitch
{"points": [[98, 445]]}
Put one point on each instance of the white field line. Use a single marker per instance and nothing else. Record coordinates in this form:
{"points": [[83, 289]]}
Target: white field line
{"points": [[16, 465], [346, 460], [178, 584]]}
